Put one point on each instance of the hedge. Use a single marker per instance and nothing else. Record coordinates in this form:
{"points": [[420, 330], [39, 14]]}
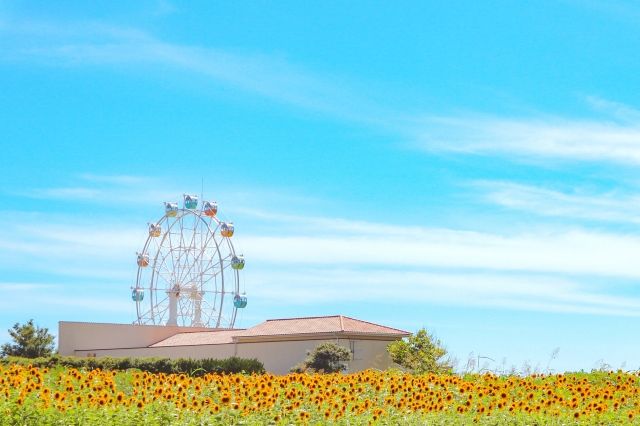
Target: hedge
{"points": [[192, 367]]}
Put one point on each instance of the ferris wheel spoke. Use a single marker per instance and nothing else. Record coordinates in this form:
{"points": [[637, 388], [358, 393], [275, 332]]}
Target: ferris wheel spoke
{"points": [[175, 265], [212, 257], [153, 312], [216, 313], [225, 265], [195, 232], [167, 255], [184, 259], [184, 249], [211, 311], [200, 255], [169, 283], [168, 273], [157, 265], [177, 251], [208, 280], [166, 245], [161, 309], [163, 264], [217, 271]]}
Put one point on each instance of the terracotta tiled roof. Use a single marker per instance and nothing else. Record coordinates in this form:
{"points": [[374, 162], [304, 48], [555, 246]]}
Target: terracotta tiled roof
{"points": [[312, 325], [216, 337], [282, 327]]}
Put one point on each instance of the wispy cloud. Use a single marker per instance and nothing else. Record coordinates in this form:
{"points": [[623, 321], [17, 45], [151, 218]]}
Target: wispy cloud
{"points": [[117, 179], [613, 137], [544, 137], [110, 190], [269, 76], [123, 191], [493, 290], [572, 252], [542, 270], [617, 110], [612, 206], [23, 286]]}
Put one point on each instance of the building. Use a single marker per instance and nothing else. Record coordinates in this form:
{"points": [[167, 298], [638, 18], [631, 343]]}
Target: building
{"points": [[278, 343]]}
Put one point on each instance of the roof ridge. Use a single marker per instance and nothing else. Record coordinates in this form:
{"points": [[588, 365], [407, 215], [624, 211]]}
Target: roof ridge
{"points": [[209, 331], [373, 323], [298, 318]]}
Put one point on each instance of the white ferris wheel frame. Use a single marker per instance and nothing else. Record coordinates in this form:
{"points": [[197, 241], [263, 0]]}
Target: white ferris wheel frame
{"points": [[177, 293]]}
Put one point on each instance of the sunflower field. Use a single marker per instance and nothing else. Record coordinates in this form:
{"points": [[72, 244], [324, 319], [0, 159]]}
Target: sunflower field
{"points": [[67, 396]]}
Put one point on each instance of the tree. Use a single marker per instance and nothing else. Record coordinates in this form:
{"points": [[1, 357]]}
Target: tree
{"points": [[325, 358], [420, 353], [30, 341]]}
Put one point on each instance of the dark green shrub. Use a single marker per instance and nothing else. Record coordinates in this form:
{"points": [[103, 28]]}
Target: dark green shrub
{"points": [[325, 358], [192, 367]]}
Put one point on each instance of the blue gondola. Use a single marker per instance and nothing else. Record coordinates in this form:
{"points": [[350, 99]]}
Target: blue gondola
{"points": [[190, 201], [137, 295], [240, 301]]}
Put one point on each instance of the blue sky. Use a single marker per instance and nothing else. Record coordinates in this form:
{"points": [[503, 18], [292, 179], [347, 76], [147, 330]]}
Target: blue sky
{"points": [[468, 167]]}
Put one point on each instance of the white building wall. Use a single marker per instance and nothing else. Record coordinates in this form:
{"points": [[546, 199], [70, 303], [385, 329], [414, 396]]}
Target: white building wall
{"points": [[278, 357], [74, 336]]}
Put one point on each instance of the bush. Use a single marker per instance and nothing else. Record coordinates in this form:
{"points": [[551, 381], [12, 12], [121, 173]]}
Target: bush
{"points": [[29, 341], [192, 367], [420, 353], [325, 358]]}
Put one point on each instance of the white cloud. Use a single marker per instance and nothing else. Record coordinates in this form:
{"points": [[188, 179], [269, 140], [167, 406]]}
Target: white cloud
{"points": [[317, 241], [336, 258], [572, 252], [555, 137], [612, 206], [509, 291]]}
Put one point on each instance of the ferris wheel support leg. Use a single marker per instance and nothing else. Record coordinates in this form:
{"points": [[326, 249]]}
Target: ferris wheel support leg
{"points": [[173, 308], [197, 315]]}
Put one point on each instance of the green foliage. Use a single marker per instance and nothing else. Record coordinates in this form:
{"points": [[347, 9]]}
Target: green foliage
{"points": [[420, 353], [192, 367], [30, 341], [325, 358]]}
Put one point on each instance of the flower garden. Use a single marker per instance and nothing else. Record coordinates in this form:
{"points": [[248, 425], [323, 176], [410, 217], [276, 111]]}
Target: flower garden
{"points": [[61, 395]]}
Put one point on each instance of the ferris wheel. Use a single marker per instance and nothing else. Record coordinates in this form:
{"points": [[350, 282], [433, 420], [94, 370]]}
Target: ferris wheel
{"points": [[188, 269]]}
